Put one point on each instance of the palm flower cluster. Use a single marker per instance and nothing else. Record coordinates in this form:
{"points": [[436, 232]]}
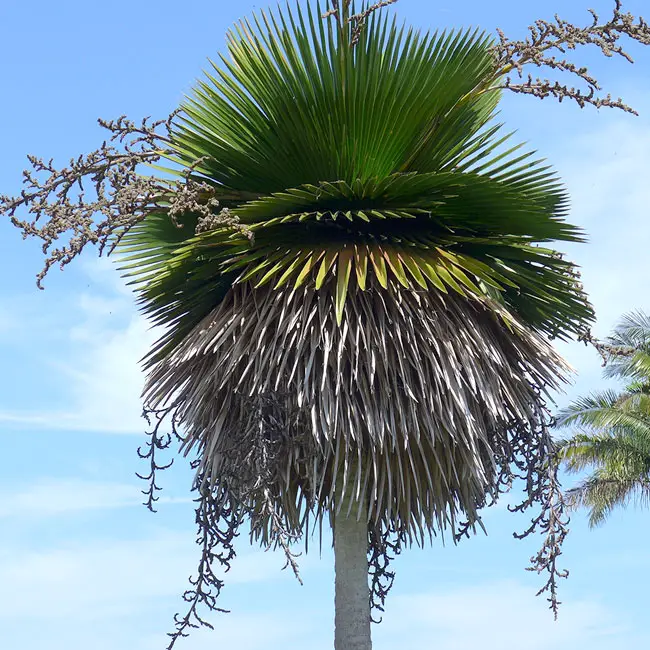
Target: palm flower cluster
{"points": [[355, 271], [546, 45]]}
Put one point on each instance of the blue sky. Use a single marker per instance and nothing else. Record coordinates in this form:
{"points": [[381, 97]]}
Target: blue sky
{"points": [[82, 565]]}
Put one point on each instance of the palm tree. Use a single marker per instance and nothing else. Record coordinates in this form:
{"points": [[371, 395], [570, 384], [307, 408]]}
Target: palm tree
{"points": [[370, 346], [615, 435]]}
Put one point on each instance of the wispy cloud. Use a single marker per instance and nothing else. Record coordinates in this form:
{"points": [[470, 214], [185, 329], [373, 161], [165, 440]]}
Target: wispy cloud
{"points": [[492, 616], [7, 324], [106, 577], [51, 497], [606, 174], [129, 589], [99, 367]]}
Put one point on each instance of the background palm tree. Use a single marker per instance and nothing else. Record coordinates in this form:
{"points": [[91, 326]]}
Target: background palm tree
{"points": [[614, 436], [370, 348]]}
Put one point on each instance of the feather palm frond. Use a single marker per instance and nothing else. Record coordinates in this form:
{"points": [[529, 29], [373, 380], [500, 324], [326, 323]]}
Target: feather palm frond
{"points": [[615, 438], [602, 493], [608, 410], [632, 338]]}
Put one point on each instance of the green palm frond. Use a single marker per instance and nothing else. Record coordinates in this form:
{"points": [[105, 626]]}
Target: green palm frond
{"points": [[601, 494], [380, 162], [294, 103], [626, 452], [636, 366], [633, 330], [608, 411], [632, 337], [616, 428]]}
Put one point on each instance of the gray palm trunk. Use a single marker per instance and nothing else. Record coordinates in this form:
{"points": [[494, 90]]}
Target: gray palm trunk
{"points": [[352, 593]]}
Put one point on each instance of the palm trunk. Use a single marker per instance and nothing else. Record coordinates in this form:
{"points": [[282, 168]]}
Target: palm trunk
{"points": [[352, 594]]}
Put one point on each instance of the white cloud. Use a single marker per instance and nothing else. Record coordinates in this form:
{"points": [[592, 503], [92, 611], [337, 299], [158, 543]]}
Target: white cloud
{"points": [[103, 594], [50, 497], [106, 382], [606, 174], [101, 579], [53, 497], [497, 615], [100, 370]]}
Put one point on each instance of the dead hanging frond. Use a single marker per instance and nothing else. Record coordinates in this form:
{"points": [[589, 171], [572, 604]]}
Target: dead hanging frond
{"points": [[547, 43], [278, 402], [98, 197], [361, 388]]}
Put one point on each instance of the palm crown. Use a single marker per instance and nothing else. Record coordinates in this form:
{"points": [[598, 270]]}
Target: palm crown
{"points": [[373, 335]]}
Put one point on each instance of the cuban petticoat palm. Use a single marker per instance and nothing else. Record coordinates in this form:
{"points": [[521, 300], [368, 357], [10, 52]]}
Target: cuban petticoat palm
{"points": [[370, 349], [614, 436]]}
